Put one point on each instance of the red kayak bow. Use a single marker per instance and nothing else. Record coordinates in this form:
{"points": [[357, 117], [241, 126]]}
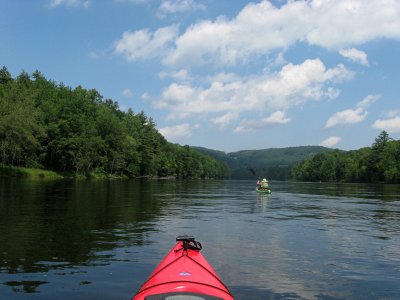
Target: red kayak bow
{"points": [[184, 274]]}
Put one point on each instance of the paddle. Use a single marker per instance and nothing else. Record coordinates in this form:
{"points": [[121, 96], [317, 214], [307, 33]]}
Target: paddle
{"points": [[254, 173]]}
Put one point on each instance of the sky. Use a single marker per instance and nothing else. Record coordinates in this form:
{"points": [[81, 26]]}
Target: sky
{"points": [[227, 75]]}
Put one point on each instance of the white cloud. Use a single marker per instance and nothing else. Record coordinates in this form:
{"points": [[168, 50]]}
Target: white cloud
{"points": [[277, 117], [179, 93], [352, 116], [84, 3], [330, 142], [355, 55], [261, 27], [343, 22], [225, 119], [348, 116], [391, 125], [127, 93], [179, 6], [258, 30], [142, 44], [242, 128], [174, 133], [367, 101], [291, 86], [296, 84]]}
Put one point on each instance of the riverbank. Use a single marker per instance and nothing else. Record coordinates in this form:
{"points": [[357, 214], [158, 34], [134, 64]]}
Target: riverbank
{"points": [[12, 171]]}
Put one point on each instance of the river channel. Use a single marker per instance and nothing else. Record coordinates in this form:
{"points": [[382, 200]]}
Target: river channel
{"points": [[101, 239]]}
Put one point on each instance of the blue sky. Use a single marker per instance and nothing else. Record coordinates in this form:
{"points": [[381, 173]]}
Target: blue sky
{"points": [[223, 74]]}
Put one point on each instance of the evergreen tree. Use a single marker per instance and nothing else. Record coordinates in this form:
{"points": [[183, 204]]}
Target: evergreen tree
{"points": [[5, 76]]}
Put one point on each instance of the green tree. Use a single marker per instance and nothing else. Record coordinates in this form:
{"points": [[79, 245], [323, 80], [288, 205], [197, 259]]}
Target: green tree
{"points": [[391, 162], [5, 76], [77, 131], [20, 127], [378, 163], [375, 167]]}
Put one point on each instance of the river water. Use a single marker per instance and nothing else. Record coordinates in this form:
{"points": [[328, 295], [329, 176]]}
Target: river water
{"points": [[101, 239]]}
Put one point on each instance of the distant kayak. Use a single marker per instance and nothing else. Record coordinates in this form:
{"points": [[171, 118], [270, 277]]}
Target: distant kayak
{"points": [[263, 190], [184, 273]]}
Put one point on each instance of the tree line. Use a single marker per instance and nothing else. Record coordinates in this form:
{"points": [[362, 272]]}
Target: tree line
{"points": [[378, 163], [76, 131], [273, 163]]}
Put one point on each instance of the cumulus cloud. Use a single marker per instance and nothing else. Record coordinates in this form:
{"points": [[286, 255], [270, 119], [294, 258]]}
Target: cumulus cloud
{"points": [[355, 55], [142, 44], [391, 125], [179, 93], [259, 30], [330, 142], [179, 6], [351, 116], [291, 86], [348, 116], [277, 117], [261, 27], [83, 3], [226, 119], [174, 133]]}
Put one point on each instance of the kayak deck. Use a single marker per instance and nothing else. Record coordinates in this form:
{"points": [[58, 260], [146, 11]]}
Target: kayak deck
{"points": [[184, 272]]}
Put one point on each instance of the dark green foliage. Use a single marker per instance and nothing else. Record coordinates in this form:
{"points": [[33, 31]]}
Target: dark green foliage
{"points": [[20, 125], [275, 163], [380, 163], [5, 76], [76, 131]]}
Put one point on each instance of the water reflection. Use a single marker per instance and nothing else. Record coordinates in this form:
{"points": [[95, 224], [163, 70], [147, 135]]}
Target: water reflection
{"points": [[24, 286], [262, 201], [57, 224], [83, 239], [366, 191]]}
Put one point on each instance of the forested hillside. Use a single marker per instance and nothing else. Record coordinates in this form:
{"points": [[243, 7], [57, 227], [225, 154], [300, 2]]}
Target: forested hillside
{"points": [[75, 131], [378, 163], [274, 163]]}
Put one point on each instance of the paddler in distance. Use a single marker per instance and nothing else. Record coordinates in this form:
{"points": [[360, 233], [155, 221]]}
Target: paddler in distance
{"points": [[263, 184]]}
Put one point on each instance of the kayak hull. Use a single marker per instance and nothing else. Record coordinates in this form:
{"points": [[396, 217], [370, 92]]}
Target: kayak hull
{"points": [[183, 272], [263, 191]]}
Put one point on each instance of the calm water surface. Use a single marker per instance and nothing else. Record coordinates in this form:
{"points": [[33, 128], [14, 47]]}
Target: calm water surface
{"points": [[100, 240]]}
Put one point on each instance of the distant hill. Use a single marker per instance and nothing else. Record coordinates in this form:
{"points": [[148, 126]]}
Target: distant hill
{"points": [[273, 163]]}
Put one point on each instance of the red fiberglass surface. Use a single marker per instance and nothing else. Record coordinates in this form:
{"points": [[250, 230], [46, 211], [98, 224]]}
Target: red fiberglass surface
{"points": [[184, 271]]}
